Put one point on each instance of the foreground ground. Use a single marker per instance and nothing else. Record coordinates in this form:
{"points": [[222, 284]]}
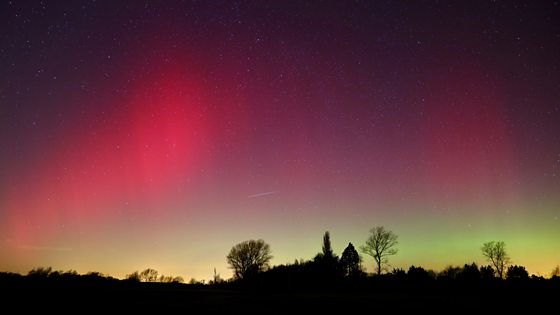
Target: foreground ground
{"points": [[109, 296]]}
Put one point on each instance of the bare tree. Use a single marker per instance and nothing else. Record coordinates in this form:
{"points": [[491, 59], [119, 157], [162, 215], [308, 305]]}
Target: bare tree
{"points": [[149, 275], [495, 253], [380, 245], [249, 258]]}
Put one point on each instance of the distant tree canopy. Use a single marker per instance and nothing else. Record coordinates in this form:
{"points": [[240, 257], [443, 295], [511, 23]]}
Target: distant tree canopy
{"points": [[487, 272], [517, 272], [249, 258], [135, 277], [420, 274], [495, 253], [350, 261], [149, 275], [450, 272], [467, 273], [40, 272], [380, 245], [470, 273]]}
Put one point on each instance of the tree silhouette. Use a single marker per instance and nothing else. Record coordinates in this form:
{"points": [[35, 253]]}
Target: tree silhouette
{"points": [[326, 262], [419, 274], [135, 277], [216, 279], [149, 275], [450, 272], [350, 261], [178, 279], [495, 253], [327, 249], [555, 272], [517, 272], [469, 273], [170, 279], [40, 272], [380, 245], [249, 258], [487, 272]]}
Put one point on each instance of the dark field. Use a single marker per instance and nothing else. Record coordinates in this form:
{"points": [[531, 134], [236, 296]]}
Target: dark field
{"points": [[24, 295]]}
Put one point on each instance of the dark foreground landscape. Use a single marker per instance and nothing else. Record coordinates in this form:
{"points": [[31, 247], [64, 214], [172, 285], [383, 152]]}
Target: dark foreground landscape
{"points": [[382, 294]]}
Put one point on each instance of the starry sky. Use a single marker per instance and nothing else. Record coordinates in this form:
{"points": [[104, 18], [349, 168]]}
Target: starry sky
{"points": [[159, 134]]}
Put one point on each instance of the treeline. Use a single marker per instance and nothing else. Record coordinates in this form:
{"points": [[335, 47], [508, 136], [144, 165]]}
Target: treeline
{"points": [[152, 275], [317, 270], [315, 274], [47, 273], [328, 270], [320, 270], [325, 283], [250, 262]]}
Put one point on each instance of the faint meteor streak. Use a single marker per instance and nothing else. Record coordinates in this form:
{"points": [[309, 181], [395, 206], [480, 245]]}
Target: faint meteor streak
{"points": [[262, 194]]}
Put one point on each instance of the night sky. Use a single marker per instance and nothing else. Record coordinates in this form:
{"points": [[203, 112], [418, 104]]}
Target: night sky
{"points": [[159, 134]]}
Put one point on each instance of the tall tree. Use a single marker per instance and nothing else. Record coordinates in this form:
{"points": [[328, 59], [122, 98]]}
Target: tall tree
{"points": [[327, 249], [380, 245], [249, 258], [495, 253], [326, 262], [350, 261]]}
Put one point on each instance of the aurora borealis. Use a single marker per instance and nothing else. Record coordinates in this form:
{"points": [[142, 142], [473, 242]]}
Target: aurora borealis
{"points": [[159, 134]]}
